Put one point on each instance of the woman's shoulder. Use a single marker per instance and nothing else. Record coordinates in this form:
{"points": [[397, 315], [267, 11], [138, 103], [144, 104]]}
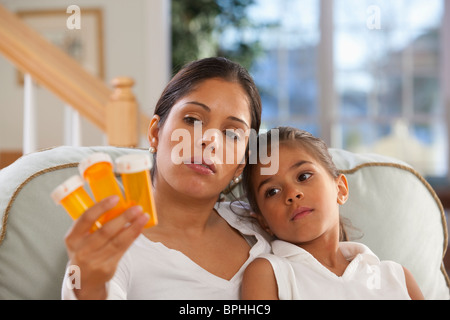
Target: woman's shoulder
{"points": [[235, 210], [237, 214]]}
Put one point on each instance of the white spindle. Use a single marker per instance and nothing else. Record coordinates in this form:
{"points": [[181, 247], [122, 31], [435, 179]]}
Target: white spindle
{"points": [[72, 127], [29, 116]]}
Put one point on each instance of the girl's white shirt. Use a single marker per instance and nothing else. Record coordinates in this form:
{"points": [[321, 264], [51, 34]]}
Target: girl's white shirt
{"points": [[300, 276], [150, 270]]}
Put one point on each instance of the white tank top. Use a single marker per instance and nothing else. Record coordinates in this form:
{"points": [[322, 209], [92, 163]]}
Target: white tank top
{"points": [[300, 276], [150, 270]]}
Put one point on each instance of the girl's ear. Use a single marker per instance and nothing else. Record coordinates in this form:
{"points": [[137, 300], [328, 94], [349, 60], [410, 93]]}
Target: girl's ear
{"points": [[342, 187], [153, 131]]}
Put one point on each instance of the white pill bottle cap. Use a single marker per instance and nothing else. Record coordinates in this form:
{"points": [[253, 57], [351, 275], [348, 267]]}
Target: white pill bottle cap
{"points": [[132, 163]]}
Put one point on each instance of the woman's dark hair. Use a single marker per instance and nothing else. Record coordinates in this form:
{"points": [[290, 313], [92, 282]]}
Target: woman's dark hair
{"points": [[194, 73]]}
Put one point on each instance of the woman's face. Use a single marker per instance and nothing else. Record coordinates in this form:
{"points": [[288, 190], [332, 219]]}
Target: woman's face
{"points": [[202, 143]]}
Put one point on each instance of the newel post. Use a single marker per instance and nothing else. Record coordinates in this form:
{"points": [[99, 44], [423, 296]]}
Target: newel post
{"points": [[122, 114]]}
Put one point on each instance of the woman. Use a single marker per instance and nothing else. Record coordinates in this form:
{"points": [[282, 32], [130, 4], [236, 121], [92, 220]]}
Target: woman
{"points": [[199, 249]]}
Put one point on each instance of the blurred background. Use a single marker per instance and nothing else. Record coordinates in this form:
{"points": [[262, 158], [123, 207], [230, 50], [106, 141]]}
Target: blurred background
{"points": [[364, 75]]}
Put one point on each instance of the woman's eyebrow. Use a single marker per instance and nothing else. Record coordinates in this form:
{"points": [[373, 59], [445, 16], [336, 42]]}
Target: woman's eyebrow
{"points": [[208, 109], [204, 106]]}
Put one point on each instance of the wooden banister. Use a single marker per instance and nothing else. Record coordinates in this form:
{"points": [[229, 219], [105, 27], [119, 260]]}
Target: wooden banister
{"points": [[52, 68], [61, 74], [121, 115]]}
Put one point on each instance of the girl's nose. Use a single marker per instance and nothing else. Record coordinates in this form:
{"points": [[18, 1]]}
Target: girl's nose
{"points": [[294, 195]]}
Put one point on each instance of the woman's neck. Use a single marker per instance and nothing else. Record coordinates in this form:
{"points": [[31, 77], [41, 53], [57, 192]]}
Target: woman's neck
{"points": [[182, 212]]}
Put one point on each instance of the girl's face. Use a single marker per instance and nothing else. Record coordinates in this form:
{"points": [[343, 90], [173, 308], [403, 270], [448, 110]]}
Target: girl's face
{"points": [[300, 203], [203, 140]]}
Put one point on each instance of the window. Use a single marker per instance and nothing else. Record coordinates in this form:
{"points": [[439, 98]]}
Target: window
{"points": [[364, 75], [286, 73], [387, 79]]}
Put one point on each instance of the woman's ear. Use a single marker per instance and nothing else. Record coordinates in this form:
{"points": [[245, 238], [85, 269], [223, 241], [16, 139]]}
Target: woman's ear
{"points": [[153, 131], [342, 186], [263, 223], [241, 165], [239, 170]]}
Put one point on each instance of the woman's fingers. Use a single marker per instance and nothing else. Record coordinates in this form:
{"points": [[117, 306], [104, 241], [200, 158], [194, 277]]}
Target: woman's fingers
{"points": [[80, 235], [84, 223], [118, 243], [82, 226], [102, 250], [130, 220], [98, 253]]}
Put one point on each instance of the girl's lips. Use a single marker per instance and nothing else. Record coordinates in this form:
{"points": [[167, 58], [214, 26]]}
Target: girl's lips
{"points": [[300, 213]]}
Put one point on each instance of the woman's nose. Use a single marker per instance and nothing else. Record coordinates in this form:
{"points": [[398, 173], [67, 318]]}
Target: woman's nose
{"points": [[209, 140]]}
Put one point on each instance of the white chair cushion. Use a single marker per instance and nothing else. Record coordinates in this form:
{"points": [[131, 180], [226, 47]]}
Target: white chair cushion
{"points": [[397, 214], [32, 251], [394, 209]]}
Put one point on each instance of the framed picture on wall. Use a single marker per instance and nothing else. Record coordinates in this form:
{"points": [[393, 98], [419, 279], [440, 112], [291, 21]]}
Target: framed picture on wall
{"points": [[84, 44]]}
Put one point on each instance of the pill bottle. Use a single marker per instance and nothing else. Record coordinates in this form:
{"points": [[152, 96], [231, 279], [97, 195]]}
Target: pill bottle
{"points": [[73, 198], [97, 170], [135, 172]]}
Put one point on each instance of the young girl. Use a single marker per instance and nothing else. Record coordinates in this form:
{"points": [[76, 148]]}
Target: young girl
{"points": [[299, 206]]}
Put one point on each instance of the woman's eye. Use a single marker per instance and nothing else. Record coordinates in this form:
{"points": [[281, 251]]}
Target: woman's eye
{"points": [[230, 134], [191, 120], [271, 192], [304, 176]]}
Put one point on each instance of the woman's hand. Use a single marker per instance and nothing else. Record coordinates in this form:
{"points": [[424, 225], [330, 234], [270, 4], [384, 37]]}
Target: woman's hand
{"points": [[98, 253]]}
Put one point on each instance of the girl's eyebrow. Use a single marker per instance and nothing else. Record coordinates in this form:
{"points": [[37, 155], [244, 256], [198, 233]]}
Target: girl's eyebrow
{"points": [[299, 164], [294, 166], [208, 109], [263, 183]]}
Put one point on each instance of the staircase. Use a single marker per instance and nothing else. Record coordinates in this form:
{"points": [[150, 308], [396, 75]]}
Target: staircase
{"points": [[112, 109]]}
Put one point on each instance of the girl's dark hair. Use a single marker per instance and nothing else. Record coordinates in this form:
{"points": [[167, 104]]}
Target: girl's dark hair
{"points": [[315, 146], [194, 73]]}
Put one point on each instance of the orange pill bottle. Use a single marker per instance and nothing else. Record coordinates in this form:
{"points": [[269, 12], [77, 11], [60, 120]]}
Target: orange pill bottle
{"points": [[97, 170], [135, 172], [74, 198]]}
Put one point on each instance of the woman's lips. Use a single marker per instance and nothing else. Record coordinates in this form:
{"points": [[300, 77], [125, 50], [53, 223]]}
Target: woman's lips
{"points": [[202, 166], [300, 213]]}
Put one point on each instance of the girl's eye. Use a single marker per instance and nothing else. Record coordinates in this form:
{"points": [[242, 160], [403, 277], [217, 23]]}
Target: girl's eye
{"points": [[271, 192], [304, 176]]}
